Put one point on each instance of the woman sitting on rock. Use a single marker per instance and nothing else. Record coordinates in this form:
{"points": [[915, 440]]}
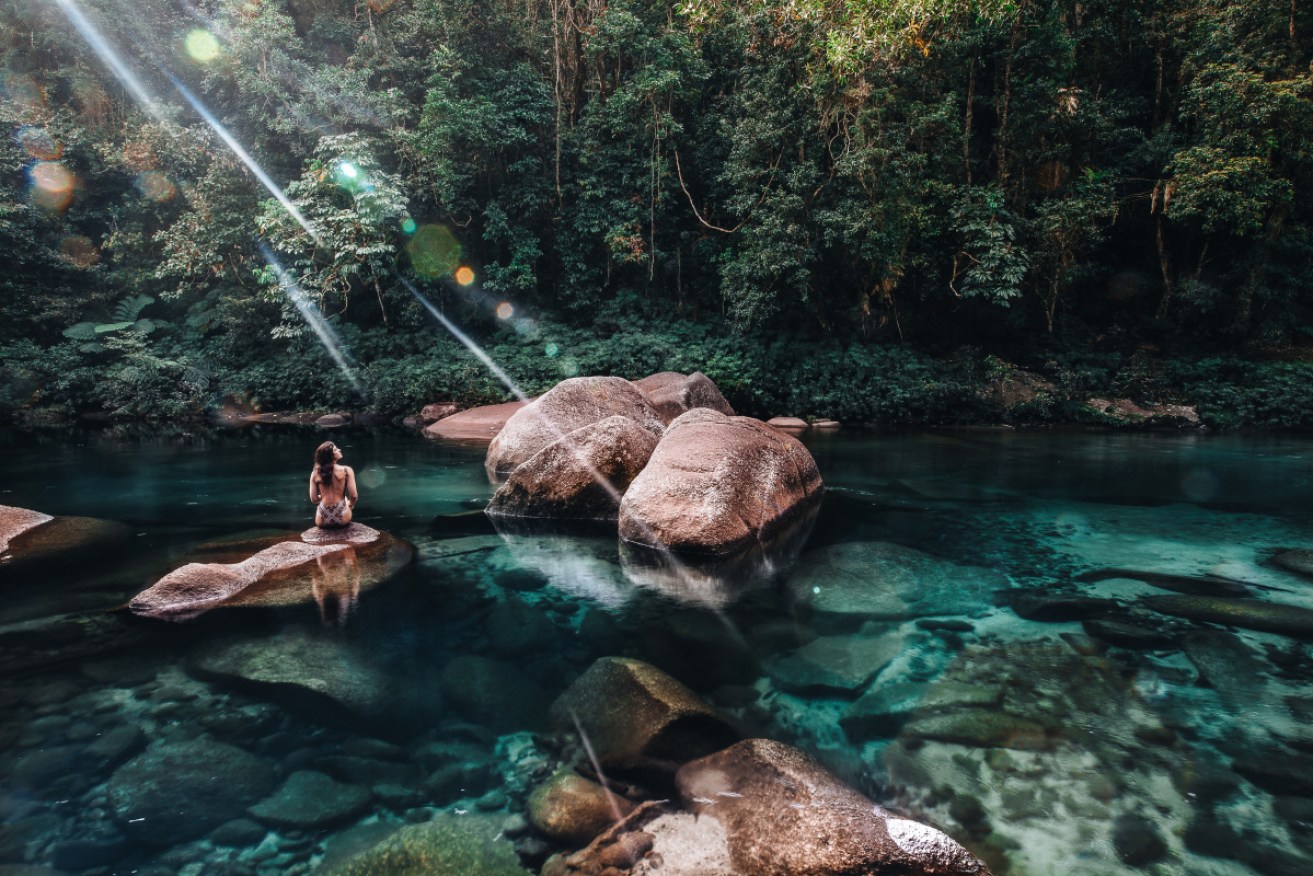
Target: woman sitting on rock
{"points": [[333, 486]]}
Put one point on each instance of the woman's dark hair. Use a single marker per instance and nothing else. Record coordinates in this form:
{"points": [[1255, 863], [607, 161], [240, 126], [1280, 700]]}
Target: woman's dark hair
{"points": [[324, 462]]}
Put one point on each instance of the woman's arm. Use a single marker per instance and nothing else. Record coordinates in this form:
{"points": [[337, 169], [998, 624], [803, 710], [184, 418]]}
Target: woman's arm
{"points": [[314, 488], [351, 486]]}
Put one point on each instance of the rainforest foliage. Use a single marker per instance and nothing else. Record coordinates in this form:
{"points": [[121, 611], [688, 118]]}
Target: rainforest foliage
{"points": [[845, 208]]}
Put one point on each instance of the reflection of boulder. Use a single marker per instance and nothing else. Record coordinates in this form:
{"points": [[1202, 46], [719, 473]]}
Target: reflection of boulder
{"points": [[848, 584], [476, 424], [717, 582], [579, 476], [567, 406], [276, 571], [716, 484], [176, 791], [580, 565], [784, 813], [636, 716], [672, 393], [29, 538]]}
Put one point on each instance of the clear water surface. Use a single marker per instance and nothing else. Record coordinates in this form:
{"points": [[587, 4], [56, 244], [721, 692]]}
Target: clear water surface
{"points": [[1184, 748]]}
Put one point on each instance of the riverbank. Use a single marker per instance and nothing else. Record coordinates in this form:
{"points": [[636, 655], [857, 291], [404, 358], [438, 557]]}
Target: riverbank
{"points": [[393, 375]]}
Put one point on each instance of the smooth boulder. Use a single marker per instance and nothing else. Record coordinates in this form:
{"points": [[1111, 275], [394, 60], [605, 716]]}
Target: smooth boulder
{"points": [[636, 716], [673, 393], [16, 521], [177, 791], [449, 845], [716, 485], [580, 476], [783, 813], [572, 810], [1249, 614], [568, 406]]}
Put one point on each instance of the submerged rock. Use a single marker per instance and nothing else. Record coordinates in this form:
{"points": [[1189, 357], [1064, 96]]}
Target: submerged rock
{"points": [[838, 663], [314, 673], [310, 800], [716, 484], [1249, 614], [783, 813], [449, 845], [673, 394], [494, 692], [1299, 561], [1055, 607], [637, 716], [570, 405], [476, 424], [981, 728], [572, 810], [847, 584], [561, 481], [1128, 634], [177, 791]]}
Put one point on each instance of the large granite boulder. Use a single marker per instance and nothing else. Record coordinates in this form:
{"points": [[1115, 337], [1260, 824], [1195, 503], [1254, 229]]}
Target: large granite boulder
{"points": [[177, 791], [580, 476], [476, 424], [672, 393], [717, 484], [636, 716], [320, 566], [449, 845], [783, 813], [572, 810], [569, 405]]}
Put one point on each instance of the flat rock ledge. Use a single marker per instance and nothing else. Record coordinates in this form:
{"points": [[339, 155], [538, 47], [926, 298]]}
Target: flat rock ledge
{"points": [[16, 521]]}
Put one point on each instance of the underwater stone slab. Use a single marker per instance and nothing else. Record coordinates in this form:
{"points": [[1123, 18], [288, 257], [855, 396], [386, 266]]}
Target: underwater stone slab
{"points": [[1299, 561], [881, 712], [1227, 665], [1126, 634], [980, 728], [449, 845], [783, 813], [635, 715], [309, 800], [842, 663], [296, 667], [1047, 606], [1250, 614], [851, 583], [494, 692], [176, 791]]}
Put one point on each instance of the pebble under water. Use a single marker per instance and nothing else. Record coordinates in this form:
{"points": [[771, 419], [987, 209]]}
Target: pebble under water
{"points": [[1075, 653]]}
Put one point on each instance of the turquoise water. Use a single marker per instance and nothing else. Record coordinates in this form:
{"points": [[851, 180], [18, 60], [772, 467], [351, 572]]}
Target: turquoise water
{"points": [[1182, 748]]}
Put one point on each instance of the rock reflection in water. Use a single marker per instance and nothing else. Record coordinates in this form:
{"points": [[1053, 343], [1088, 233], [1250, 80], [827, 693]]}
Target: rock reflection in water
{"points": [[717, 582], [571, 557]]}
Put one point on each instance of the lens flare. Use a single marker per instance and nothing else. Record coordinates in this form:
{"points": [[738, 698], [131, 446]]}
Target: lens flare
{"points": [[79, 251], [465, 275], [569, 367], [505, 311], [552, 350], [348, 170], [434, 251], [37, 143], [52, 185], [110, 56], [408, 225], [155, 186], [24, 91], [202, 46]]}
